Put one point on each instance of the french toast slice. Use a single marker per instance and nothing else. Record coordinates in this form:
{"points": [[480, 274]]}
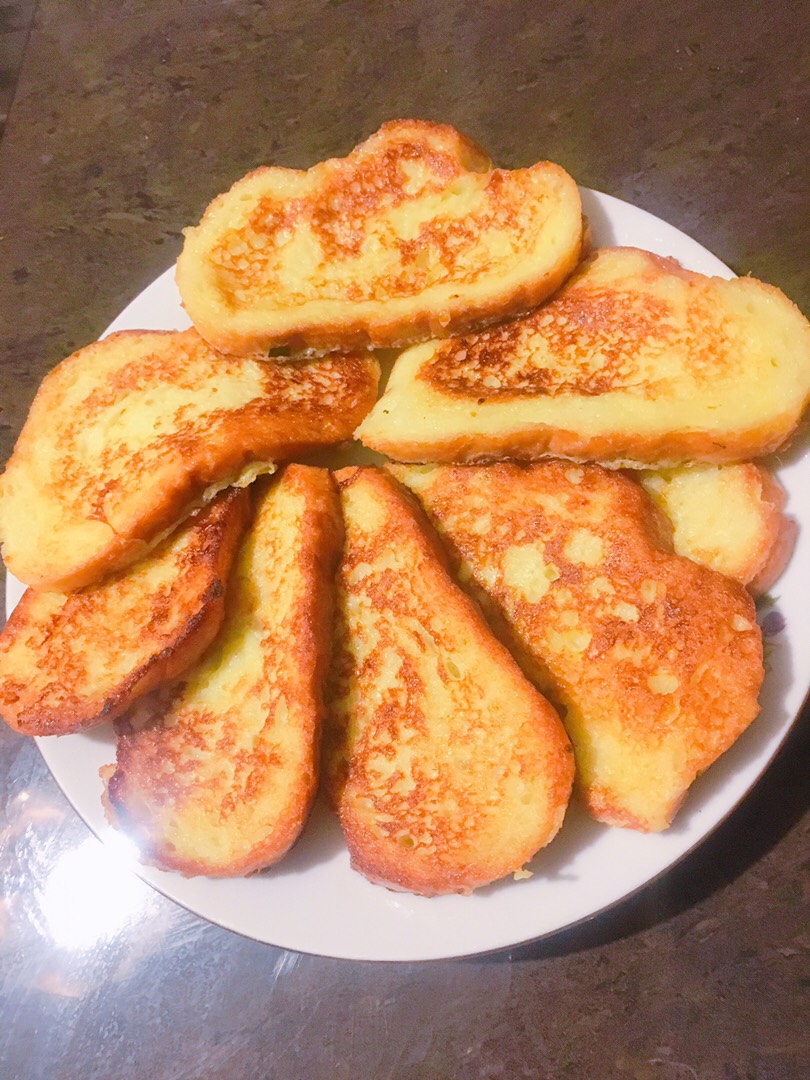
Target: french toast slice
{"points": [[69, 661], [447, 768], [217, 774], [413, 235], [728, 517], [128, 435], [634, 362], [655, 661]]}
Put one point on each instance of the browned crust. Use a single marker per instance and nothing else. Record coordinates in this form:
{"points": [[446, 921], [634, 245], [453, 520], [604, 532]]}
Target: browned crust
{"points": [[31, 701], [469, 153], [384, 861], [134, 796], [273, 427], [636, 450]]}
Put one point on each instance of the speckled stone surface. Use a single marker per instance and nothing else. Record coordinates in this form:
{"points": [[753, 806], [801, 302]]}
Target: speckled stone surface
{"points": [[127, 118]]}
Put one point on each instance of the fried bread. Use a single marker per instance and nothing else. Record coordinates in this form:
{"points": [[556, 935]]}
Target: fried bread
{"points": [[413, 235], [655, 661], [447, 768], [728, 517], [216, 775], [71, 661], [634, 362], [128, 435]]}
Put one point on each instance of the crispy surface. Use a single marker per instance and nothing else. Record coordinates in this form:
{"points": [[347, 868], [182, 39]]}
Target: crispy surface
{"points": [[634, 361], [728, 517], [413, 235], [71, 661], [127, 435], [217, 775], [655, 660], [447, 768]]}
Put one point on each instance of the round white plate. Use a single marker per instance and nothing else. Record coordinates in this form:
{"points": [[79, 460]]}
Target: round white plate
{"points": [[313, 902]]}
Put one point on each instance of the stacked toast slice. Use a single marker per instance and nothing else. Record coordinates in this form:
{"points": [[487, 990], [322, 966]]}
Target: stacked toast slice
{"points": [[413, 235], [730, 518], [655, 661], [447, 768], [216, 774], [69, 661], [634, 362], [128, 435]]}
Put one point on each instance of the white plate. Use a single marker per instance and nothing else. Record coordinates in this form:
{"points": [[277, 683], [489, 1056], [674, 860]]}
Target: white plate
{"points": [[314, 903]]}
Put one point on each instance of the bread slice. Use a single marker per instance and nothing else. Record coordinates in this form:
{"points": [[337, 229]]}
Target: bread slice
{"points": [[728, 517], [447, 768], [413, 235], [71, 661], [217, 775], [655, 661], [635, 361], [128, 435]]}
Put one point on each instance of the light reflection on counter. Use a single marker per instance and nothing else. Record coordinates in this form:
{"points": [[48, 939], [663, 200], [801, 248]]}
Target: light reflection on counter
{"points": [[92, 893]]}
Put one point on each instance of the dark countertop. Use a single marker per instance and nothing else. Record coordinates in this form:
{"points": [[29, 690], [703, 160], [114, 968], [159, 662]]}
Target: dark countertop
{"points": [[125, 120]]}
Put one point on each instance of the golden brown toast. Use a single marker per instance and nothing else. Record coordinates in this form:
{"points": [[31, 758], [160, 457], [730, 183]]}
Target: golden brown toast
{"points": [[447, 768], [71, 661], [655, 661], [728, 517], [217, 774], [413, 235], [128, 435], [634, 362]]}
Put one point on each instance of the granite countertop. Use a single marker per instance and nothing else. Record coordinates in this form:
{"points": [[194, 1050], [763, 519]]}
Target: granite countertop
{"points": [[122, 120]]}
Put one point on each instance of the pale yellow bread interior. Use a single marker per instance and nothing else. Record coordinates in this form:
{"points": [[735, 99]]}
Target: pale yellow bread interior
{"points": [[728, 517], [448, 769], [655, 661], [413, 235], [217, 775], [69, 661], [634, 362], [129, 434]]}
